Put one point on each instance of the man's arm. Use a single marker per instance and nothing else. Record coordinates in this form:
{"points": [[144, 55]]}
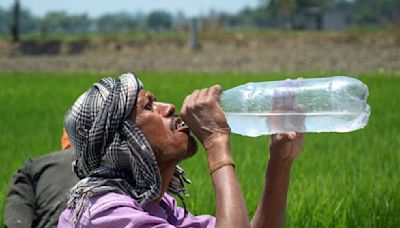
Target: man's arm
{"points": [[20, 203], [271, 207], [231, 207], [206, 120]]}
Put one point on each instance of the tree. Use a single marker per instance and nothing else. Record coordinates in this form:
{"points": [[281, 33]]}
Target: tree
{"points": [[263, 16], [159, 20], [5, 21], [61, 22], [120, 22], [286, 8], [27, 22], [290, 10], [373, 12], [15, 26]]}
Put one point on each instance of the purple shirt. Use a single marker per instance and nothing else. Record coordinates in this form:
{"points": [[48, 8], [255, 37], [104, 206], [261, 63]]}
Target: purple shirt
{"points": [[117, 210]]}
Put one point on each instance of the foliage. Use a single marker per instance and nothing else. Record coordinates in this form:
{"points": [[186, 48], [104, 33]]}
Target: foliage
{"points": [[159, 20], [28, 22], [371, 12], [268, 14], [116, 23], [259, 17], [288, 13], [339, 180], [63, 22]]}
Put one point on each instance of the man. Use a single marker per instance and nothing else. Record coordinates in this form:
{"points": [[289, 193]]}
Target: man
{"points": [[37, 192], [128, 147]]}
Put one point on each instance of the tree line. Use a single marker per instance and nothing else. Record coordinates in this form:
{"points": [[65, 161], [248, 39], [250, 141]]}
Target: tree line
{"points": [[292, 14], [63, 22], [289, 14]]}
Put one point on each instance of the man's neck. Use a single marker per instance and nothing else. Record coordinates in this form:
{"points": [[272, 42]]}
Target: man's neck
{"points": [[166, 175]]}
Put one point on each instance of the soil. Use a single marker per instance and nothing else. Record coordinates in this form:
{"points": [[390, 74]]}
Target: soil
{"points": [[291, 53]]}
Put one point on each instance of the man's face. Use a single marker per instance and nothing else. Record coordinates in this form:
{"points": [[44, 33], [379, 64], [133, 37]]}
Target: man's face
{"points": [[168, 136]]}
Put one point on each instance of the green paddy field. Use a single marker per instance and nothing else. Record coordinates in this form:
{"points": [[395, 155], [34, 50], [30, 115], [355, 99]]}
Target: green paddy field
{"points": [[339, 180]]}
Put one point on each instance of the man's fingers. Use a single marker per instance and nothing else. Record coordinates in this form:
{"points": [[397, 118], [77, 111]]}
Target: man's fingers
{"points": [[215, 90], [203, 94], [184, 104], [286, 136], [189, 101], [195, 96], [291, 135], [299, 108]]}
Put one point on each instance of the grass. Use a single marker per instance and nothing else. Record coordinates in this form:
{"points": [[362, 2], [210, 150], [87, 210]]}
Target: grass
{"points": [[339, 180]]}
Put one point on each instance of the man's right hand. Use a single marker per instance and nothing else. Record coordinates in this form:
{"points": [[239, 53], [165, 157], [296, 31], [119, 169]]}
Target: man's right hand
{"points": [[202, 113], [204, 116]]}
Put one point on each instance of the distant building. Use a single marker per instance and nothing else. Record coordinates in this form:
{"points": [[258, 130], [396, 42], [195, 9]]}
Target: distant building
{"points": [[314, 18]]}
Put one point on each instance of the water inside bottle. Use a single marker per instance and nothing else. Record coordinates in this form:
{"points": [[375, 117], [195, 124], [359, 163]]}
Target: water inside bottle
{"points": [[256, 124]]}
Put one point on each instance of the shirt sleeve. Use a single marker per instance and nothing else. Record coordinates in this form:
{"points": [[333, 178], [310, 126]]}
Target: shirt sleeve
{"points": [[127, 217], [20, 203]]}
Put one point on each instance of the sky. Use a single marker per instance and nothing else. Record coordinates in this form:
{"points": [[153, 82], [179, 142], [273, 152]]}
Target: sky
{"points": [[98, 7]]}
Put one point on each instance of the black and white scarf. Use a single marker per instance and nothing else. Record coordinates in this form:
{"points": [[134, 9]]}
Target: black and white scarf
{"points": [[112, 153]]}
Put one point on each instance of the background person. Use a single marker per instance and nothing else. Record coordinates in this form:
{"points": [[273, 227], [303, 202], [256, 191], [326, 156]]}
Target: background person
{"points": [[37, 192]]}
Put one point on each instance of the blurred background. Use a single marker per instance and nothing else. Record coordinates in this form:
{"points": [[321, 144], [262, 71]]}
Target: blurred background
{"points": [[206, 36]]}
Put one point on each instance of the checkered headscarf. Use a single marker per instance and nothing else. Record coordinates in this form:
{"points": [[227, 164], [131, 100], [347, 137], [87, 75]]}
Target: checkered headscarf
{"points": [[112, 153]]}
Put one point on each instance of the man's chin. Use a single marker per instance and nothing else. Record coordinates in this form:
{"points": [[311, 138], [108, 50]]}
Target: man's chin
{"points": [[191, 147]]}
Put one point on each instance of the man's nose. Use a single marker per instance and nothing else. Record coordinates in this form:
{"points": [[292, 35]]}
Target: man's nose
{"points": [[165, 109]]}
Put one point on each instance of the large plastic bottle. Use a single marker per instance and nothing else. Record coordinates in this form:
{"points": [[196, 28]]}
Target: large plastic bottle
{"points": [[331, 104]]}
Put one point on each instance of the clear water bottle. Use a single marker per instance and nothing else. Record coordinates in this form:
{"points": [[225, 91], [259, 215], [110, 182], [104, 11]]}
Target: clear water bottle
{"points": [[332, 104]]}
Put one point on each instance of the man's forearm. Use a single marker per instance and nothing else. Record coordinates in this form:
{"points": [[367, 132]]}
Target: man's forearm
{"points": [[231, 209], [271, 208]]}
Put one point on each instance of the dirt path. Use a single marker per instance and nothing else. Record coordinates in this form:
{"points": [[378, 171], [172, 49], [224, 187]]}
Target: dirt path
{"points": [[265, 53]]}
